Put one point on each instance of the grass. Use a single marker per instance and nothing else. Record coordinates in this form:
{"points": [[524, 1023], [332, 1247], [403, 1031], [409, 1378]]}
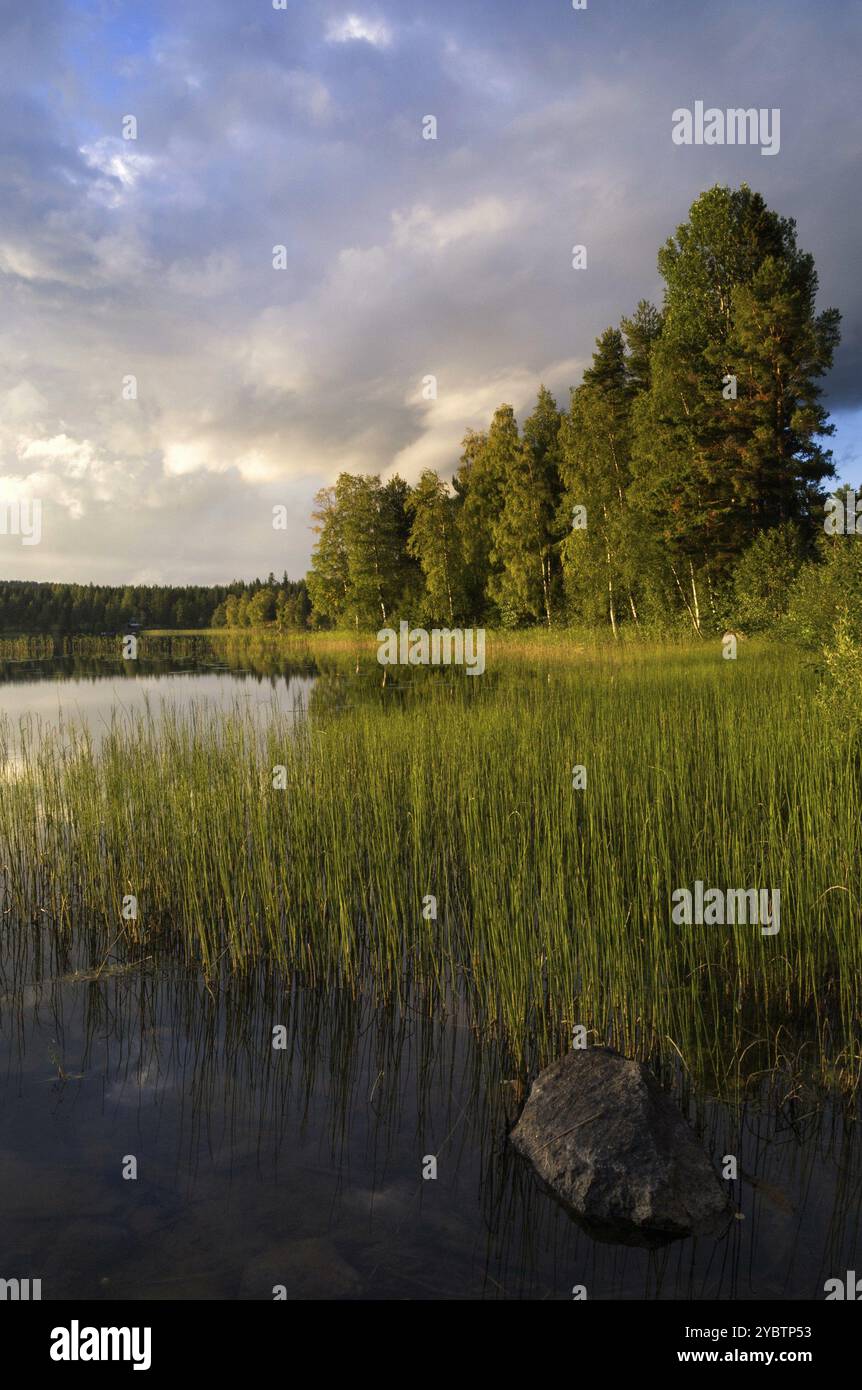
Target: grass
{"points": [[25, 648], [553, 905]]}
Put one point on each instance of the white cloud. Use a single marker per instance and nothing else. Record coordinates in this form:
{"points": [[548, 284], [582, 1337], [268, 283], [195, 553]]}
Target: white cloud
{"points": [[27, 264], [71, 457], [470, 405], [119, 163], [354, 27], [47, 488], [191, 456], [423, 229], [22, 402]]}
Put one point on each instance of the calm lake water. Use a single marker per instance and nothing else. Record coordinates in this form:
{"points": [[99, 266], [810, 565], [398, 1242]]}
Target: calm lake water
{"points": [[303, 1167], [93, 691]]}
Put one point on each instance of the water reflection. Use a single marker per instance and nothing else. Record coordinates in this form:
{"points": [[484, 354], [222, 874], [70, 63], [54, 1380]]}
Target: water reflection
{"points": [[302, 1167], [93, 691]]}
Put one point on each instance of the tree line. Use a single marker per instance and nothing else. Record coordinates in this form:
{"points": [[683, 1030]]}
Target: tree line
{"points": [[695, 432], [27, 606], [683, 483]]}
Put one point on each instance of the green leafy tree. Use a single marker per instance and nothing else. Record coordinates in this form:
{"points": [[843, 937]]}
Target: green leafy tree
{"points": [[329, 577], [435, 542], [527, 533], [361, 570], [599, 558], [376, 527], [764, 578], [261, 608], [826, 587], [489, 462]]}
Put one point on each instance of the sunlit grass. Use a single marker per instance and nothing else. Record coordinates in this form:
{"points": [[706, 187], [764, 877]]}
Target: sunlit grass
{"points": [[554, 905]]}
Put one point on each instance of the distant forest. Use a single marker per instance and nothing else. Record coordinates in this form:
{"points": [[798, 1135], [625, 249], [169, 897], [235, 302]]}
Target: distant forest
{"points": [[683, 486], [97, 608]]}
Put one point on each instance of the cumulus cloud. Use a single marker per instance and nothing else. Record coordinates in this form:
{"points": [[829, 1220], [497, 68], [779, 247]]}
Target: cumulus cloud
{"points": [[120, 164], [405, 257], [356, 28], [424, 229]]}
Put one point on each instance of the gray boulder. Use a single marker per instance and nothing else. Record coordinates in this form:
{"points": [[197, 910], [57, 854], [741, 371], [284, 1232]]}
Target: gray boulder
{"points": [[615, 1149]]}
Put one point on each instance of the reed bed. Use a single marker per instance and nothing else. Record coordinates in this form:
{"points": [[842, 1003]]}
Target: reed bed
{"points": [[553, 905], [25, 648]]}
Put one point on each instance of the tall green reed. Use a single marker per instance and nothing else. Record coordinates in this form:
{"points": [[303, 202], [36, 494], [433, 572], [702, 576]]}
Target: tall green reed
{"points": [[553, 904]]}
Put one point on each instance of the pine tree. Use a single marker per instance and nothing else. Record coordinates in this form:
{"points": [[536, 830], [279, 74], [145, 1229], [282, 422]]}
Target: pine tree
{"points": [[641, 332], [711, 470]]}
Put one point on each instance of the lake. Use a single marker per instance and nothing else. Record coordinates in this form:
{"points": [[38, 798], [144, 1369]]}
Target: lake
{"points": [[301, 1167]]}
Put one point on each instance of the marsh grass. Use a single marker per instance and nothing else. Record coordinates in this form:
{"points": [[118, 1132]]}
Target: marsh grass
{"points": [[554, 905], [26, 648]]}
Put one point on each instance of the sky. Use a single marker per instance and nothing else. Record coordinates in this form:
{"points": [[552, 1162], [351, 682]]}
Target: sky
{"points": [[404, 257]]}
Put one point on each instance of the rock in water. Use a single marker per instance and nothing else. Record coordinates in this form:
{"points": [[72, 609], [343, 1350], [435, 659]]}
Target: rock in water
{"points": [[613, 1146]]}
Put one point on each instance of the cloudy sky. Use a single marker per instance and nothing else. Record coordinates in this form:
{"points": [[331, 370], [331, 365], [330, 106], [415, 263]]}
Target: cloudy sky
{"points": [[405, 257]]}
